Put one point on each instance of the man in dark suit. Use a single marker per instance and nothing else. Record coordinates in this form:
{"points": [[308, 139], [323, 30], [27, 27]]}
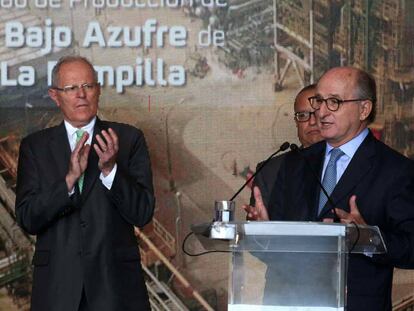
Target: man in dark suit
{"points": [[82, 203], [308, 134], [368, 182]]}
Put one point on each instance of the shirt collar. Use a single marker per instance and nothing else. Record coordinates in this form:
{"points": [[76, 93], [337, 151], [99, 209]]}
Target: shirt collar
{"points": [[71, 130], [351, 146]]}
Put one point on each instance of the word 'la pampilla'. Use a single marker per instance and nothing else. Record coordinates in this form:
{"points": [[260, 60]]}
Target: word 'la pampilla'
{"points": [[148, 35], [144, 72]]}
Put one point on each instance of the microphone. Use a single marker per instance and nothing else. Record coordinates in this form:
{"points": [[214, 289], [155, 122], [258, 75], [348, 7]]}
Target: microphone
{"points": [[296, 149], [282, 147], [221, 227]]}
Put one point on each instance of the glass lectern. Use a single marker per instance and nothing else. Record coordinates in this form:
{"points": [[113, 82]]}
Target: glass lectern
{"points": [[288, 265]]}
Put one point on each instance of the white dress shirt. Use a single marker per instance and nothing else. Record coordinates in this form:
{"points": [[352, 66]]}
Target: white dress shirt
{"points": [[71, 132], [348, 149]]}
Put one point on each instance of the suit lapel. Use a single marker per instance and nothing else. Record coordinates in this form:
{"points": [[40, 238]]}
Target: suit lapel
{"points": [[313, 172], [60, 149], [359, 166], [92, 170]]}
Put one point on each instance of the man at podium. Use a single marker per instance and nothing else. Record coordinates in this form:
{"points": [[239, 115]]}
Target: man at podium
{"points": [[364, 182]]}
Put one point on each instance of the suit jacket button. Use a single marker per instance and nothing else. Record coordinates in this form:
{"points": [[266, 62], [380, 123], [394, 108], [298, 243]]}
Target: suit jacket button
{"points": [[83, 224]]}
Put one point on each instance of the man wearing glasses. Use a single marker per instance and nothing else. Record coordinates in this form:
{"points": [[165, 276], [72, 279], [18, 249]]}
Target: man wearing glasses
{"points": [[83, 202], [308, 134], [368, 183]]}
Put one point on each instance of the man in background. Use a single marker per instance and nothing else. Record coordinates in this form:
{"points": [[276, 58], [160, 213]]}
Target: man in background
{"points": [[308, 134], [82, 187]]}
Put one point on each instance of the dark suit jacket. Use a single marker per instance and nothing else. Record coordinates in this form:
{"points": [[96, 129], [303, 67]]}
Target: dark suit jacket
{"points": [[383, 181], [86, 241], [266, 179]]}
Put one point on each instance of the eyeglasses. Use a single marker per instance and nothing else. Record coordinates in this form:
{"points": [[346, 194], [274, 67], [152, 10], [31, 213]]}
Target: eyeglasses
{"points": [[304, 116], [332, 103], [74, 89]]}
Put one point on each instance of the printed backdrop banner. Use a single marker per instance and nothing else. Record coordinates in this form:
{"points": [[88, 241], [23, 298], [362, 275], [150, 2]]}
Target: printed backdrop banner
{"points": [[210, 82]]}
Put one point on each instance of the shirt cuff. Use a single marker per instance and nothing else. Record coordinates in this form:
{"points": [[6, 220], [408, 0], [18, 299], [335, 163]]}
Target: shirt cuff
{"points": [[70, 193], [109, 179]]}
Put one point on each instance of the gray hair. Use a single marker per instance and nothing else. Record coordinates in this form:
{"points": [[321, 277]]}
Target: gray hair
{"points": [[70, 59], [366, 87]]}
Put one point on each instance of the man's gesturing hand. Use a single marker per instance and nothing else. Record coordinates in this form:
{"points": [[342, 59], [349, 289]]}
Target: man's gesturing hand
{"points": [[107, 150], [78, 161], [259, 211], [353, 216]]}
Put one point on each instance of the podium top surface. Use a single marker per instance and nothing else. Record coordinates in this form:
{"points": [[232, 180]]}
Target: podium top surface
{"points": [[280, 236], [291, 228]]}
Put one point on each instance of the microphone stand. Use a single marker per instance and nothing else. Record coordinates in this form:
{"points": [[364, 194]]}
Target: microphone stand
{"points": [[295, 148], [282, 147]]}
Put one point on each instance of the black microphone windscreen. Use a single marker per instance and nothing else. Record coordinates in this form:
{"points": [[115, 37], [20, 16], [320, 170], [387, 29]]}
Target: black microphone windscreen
{"points": [[284, 146], [294, 147]]}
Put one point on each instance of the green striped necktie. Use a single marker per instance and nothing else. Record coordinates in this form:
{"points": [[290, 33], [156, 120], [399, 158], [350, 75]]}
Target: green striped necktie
{"points": [[79, 134]]}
